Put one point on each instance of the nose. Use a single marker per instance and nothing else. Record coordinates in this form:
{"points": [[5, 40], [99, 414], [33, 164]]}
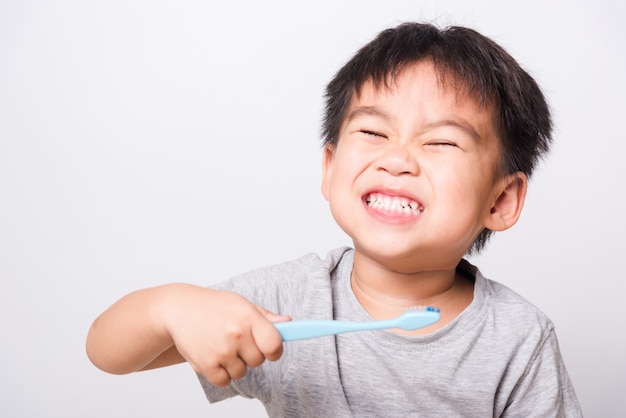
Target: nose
{"points": [[397, 159]]}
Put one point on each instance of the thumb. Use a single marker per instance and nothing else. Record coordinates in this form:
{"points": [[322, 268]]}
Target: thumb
{"points": [[273, 317]]}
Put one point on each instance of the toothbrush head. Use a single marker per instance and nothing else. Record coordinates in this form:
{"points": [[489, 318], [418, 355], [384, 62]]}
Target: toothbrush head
{"points": [[418, 317]]}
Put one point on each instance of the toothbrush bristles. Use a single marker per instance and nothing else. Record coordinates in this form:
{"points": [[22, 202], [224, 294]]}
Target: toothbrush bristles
{"points": [[424, 308]]}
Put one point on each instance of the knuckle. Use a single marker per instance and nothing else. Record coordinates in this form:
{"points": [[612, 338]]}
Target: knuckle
{"points": [[238, 372], [222, 354], [256, 361], [234, 333]]}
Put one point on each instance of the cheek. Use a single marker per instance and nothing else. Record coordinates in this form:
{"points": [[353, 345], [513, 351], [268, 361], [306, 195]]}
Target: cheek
{"points": [[334, 179], [346, 166], [461, 190]]}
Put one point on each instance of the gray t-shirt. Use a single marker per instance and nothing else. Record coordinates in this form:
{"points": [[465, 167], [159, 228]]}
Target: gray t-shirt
{"points": [[499, 358]]}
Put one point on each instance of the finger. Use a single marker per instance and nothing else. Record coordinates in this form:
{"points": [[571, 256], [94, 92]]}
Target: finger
{"points": [[268, 340], [217, 376], [251, 355], [236, 368], [273, 317]]}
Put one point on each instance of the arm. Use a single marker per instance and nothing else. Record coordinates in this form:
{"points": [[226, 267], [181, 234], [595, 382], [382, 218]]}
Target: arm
{"points": [[219, 333], [545, 390]]}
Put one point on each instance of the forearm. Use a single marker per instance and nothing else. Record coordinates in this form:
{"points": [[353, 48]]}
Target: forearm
{"points": [[132, 333], [219, 333]]}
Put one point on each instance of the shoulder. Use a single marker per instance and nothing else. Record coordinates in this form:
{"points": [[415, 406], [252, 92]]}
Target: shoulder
{"points": [[527, 339], [513, 315], [308, 266], [283, 286], [534, 380], [512, 304]]}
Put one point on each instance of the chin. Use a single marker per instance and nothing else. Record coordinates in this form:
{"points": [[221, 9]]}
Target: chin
{"points": [[405, 260]]}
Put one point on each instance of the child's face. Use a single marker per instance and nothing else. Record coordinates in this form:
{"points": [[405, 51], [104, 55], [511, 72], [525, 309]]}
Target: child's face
{"points": [[413, 178]]}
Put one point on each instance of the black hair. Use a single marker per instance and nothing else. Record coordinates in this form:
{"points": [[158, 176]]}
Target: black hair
{"points": [[475, 65]]}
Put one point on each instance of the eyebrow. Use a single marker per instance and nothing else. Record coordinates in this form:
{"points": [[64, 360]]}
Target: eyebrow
{"points": [[455, 123], [362, 111], [365, 111]]}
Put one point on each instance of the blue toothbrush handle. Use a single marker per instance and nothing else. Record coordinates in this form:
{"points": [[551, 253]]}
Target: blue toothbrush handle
{"points": [[299, 330]]}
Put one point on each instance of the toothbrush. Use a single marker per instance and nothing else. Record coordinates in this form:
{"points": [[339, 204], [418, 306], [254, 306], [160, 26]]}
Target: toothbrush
{"points": [[412, 319]]}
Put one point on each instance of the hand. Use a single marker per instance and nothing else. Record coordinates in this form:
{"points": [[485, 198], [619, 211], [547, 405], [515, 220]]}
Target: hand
{"points": [[221, 333]]}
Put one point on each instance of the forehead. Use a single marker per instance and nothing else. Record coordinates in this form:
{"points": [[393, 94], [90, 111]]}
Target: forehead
{"points": [[427, 91], [425, 71]]}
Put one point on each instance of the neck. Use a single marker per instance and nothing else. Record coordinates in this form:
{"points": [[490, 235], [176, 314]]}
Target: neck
{"points": [[385, 293]]}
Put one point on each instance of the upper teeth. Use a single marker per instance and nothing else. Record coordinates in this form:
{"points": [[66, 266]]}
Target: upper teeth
{"points": [[389, 203]]}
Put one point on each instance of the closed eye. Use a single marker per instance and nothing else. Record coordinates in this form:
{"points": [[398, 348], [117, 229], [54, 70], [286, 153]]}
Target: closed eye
{"points": [[372, 133], [442, 143]]}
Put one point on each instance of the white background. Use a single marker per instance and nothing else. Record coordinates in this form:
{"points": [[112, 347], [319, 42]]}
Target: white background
{"points": [[146, 142]]}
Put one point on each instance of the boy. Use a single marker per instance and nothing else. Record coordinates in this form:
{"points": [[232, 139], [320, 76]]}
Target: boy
{"points": [[429, 139]]}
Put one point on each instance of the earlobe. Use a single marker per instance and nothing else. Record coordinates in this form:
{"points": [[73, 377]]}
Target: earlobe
{"points": [[327, 158], [508, 204]]}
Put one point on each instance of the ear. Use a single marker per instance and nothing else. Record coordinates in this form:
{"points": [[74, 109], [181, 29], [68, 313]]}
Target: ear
{"points": [[327, 169], [508, 204]]}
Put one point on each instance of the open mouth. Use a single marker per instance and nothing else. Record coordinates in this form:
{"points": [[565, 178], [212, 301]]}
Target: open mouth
{"points": [[393, 204]]}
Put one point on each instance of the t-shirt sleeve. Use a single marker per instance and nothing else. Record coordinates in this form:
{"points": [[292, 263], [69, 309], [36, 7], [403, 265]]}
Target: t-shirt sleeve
{"points": [[260, 288], [287, 288], [545, 389]]}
